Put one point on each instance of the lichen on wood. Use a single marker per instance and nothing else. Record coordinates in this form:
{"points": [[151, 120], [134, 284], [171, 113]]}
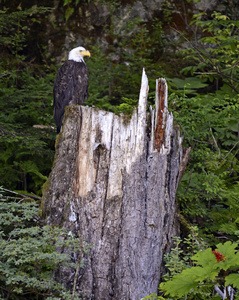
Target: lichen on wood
{"points": [[115, 182]]}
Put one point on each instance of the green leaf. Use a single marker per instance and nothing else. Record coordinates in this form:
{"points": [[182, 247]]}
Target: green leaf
{"points": [[189, 82], [69, 12], [205, 258], [179, 285], [228, 249], [233, 46], [232, 279]]}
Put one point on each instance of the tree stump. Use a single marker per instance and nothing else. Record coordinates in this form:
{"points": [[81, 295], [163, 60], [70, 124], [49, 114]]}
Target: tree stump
{"points": [[114, 180]]}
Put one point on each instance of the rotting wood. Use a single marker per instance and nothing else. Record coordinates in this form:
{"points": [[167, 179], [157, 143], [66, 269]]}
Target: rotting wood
{"points": [[161, 115], [185, 158], [115, 182]]}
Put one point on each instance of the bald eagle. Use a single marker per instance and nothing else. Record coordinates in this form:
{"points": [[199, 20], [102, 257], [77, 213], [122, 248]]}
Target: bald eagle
{"points": [[71, 84]]}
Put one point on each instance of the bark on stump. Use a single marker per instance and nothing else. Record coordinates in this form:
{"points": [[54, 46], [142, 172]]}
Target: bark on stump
{"points": [[114, 180]]}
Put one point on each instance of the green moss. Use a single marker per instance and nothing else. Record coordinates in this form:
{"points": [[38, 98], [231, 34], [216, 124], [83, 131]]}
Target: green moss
{"points": [[45, 197], [185, 225]]}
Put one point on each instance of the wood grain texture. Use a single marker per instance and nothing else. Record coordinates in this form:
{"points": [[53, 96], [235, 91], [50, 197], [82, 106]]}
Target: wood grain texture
{"points": [[114, 180]]}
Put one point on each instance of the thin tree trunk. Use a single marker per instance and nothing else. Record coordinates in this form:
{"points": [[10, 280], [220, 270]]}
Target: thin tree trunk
{"points": [[114, 179]]}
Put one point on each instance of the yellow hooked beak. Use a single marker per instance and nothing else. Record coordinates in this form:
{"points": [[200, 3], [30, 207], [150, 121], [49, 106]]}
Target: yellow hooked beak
{"points": [[85, 53]]}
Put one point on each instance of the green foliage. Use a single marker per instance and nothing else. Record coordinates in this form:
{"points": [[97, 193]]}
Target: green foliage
{"points": [[173, 260], [208, 192], [25, 105], [210, 270], [29, 253], [189, 85], [115, 78], [26, 151], [14, 29], [179, 257], [154, 296], [216, 54]]}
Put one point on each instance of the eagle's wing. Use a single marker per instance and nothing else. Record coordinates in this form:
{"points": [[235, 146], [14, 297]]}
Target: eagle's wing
{"points": [[80, 84], [70, 87]]}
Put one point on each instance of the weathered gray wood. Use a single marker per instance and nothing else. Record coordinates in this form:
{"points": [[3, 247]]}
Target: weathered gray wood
{"points": [[114, 180]]}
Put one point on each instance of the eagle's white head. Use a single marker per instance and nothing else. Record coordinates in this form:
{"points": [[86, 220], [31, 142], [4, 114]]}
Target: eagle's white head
{"points": [[78, 53]]}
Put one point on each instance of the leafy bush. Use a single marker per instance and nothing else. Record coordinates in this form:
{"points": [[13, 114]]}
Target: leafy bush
{"points": [[195, 271], [30, 253], [208, 192], [213, 268], [216, 53]]}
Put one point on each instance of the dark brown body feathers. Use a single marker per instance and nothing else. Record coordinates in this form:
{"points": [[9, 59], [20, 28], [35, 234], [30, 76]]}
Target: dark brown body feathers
{"points": [[70, 87]]}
